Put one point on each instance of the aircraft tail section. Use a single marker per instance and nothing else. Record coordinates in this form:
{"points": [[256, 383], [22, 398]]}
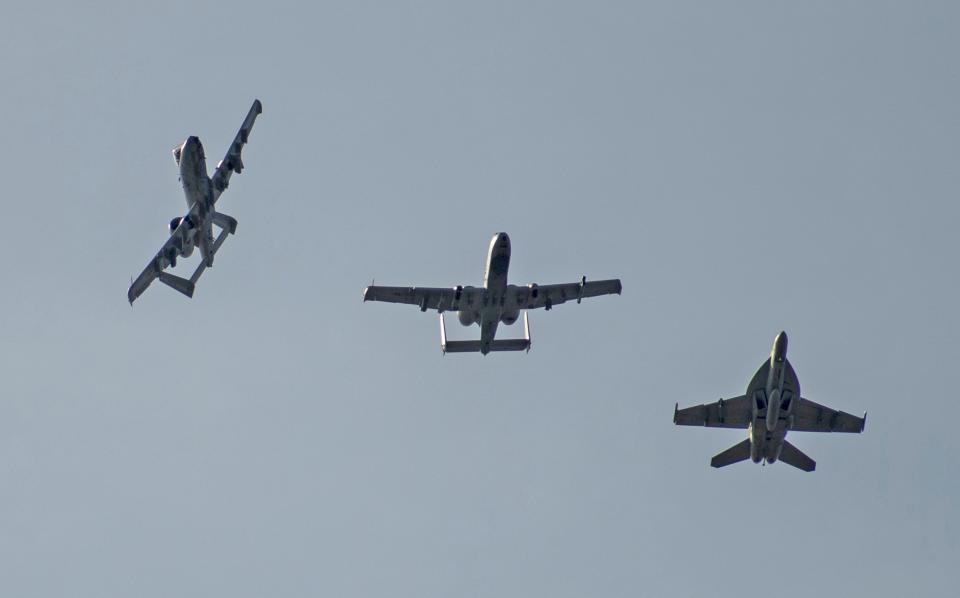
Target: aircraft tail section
{"points": [[518, 344], [227, 223], [735, 454], [510, 344], [791, 455], [175, 282]]}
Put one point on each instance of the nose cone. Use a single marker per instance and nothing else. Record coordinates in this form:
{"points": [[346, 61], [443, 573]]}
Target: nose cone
{"points": [[780, 347], [191, 149], [500, 244]]}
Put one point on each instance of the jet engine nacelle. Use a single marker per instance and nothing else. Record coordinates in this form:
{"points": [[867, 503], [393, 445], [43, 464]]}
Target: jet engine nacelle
{"points": [[468, 316], [188, 243], [510, 316]]}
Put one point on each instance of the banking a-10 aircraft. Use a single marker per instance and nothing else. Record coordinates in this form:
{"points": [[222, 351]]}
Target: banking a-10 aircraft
{"points": [[195, 229], [771, 407], [493, 303]]}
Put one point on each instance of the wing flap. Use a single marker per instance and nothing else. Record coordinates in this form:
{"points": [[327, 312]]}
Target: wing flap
{"points": [[440, 299], [548, 295], [813, 417], [232, 161], [725, 413]]}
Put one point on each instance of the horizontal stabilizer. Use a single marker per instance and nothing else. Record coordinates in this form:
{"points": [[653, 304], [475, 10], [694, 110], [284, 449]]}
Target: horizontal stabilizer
{"points": [[460, 347], [510, 344], [216, 247], [227, 223], [735, 454], [181, 284], [791, 455], [514, 344]]}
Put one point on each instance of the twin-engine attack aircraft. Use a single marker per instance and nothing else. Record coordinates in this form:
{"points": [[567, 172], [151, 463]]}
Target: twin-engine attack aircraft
{"points": [[195, 229], [772, 407], [495, 302]]}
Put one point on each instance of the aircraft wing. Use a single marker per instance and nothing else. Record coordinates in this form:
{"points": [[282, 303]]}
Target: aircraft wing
{"points": [[813, 417], [725, 413], [232, 162], [440, 299], [548, 295], [164, 258]]}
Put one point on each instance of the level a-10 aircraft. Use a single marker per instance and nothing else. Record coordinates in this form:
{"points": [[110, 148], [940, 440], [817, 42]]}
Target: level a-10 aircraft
{"points": [[771, 407], [493, 303], [195, 229]]}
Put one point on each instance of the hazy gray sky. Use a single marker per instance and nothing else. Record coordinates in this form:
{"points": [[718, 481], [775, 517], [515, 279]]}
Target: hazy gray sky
{"points": [[744, 167]]}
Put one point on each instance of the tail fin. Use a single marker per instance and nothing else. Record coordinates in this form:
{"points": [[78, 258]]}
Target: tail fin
{"points": [[735, 454], [791, 455]]}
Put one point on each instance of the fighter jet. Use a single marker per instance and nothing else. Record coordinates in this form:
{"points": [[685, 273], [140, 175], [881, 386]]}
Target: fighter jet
{"points": [[195, 229], [771, 407], [493, 303]]}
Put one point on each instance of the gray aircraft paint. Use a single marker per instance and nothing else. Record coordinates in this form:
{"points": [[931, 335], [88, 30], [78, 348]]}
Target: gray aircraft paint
{"points": [[742, 166], [196, 227], [494, 303], [771, 407], [771, 392]]}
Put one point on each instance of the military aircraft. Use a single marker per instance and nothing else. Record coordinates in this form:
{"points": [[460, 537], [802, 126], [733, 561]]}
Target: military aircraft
{"points": [[771, 407], [195, 229], [492, 304]]}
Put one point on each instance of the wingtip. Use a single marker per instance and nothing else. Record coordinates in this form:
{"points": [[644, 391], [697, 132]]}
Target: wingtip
{"points": [[258, 106]]}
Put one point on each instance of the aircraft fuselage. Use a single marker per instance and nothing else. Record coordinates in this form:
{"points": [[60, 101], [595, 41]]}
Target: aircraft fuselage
{"points": [[197, 190], [773, 391], [495, 289]]}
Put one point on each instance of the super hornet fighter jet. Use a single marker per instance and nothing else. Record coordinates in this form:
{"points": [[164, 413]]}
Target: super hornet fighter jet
{"points": [[771, 407], [195, 229], [493, 303]]}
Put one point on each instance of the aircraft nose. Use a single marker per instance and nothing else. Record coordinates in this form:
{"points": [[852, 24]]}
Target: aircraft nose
{"points": [[191, 150], [503, 239], [780, 345]]}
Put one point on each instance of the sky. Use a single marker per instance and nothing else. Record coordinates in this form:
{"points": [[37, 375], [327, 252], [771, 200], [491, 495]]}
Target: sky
{"points": [[743, 167]]}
